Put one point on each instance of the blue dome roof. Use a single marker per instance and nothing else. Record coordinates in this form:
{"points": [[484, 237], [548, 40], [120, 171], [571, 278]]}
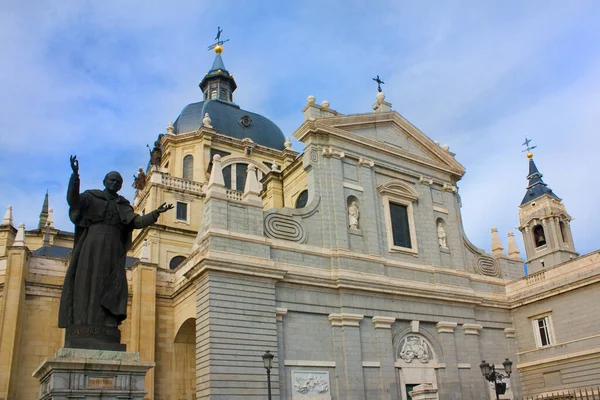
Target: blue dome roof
{"points": [[230, 120]]}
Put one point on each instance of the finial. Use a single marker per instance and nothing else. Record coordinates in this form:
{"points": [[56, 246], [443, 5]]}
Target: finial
{"points": [[325, 105], [310, 99], [20, 238], [497, 248], [50, 221], [206, 121], [379, 83], [288, 143], [8, 216], [274, 167], [380, 97], [170, 129], [218, 45], [528, 148], [513, 249], [145, 253]]}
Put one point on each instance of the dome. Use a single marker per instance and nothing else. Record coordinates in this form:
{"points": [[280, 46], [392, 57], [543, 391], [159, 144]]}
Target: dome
{"points": [[230, 120]]}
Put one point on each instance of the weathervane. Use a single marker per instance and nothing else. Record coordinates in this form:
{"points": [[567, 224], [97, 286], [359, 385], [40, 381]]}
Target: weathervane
{"points": [[217, 46], [528, 147], [379, 83]]}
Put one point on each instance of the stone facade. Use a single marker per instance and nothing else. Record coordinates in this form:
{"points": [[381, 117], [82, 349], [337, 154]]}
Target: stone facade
{"points": [[348, 311]]}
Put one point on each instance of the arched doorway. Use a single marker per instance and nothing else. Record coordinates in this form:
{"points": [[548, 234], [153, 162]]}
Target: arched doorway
{"points": [[184, 361]]}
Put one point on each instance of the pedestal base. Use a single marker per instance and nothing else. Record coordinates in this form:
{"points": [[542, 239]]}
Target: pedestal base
{"points": [[94, 337], [92, 374]]}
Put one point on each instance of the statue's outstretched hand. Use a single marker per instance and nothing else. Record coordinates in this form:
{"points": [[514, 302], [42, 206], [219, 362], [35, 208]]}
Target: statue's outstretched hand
{"points": [[164, 207], [74, 164]]}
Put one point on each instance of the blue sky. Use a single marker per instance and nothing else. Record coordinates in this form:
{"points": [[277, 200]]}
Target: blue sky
{"points": [[103, 79]]}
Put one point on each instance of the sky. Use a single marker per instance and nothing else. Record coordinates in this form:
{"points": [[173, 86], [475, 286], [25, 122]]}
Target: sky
{"points": [[102, 79]]}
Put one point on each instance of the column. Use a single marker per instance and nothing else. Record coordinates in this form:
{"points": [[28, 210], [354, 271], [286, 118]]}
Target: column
{"points": [[449, 384], [143, 317], [12, 313], [476, 385], [348, 355], [385, 348]]}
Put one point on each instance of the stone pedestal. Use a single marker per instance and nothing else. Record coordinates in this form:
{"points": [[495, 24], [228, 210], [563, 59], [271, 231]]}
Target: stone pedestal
{"points": [[92, 374]]}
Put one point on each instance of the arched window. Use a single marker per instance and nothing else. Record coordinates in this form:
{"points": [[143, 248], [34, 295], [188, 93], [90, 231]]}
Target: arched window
{"points": [[234, 176], [563, 232], [223, 95], [188, 167], [539, 237], [175, 261], [213, 94], [302, 199]]}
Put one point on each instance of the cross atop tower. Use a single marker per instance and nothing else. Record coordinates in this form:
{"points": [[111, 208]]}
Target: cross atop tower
{"points": [[379, 83]]}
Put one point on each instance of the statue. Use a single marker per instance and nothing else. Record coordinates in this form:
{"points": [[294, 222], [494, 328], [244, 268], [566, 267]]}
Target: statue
{"points": [[94, 296], [139, 181], [353, 215], [156, 152], [441, 232]]}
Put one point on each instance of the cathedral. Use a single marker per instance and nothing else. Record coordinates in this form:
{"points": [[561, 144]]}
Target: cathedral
{"points": [[347, 262]]}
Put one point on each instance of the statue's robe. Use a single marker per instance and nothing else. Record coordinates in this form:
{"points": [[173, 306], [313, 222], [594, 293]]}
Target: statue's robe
{"points": [[95, 287]]}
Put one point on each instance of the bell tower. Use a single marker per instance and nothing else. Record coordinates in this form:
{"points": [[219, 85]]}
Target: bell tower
{"points": [[544, 223]]}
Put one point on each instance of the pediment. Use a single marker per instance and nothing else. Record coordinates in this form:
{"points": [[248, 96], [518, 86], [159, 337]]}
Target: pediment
{"points": [[389, 132]]}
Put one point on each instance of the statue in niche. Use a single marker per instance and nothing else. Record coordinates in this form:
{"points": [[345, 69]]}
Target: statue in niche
{"points": [[139, 181], [353, 215], [94, 296], [441, 233], [415, 347]]}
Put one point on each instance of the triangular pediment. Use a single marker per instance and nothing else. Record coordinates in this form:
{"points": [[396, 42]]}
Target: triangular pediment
{"points": [[389, 132]]}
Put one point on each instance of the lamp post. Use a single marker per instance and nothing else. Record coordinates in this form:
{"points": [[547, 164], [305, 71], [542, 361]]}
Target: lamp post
{"points": [[489, 372], [268, 361]]}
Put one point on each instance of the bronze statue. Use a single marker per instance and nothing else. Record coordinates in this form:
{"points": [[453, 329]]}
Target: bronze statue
{"points": [[94, 296], [139, 181]]}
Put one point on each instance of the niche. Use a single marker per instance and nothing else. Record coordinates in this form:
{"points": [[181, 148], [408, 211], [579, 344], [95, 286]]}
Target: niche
{"points": [[353, 212]]}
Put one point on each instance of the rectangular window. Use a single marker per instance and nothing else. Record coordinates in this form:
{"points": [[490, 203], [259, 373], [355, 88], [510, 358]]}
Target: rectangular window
{"points": [[400, 225], [542, 330], [181, 214]]}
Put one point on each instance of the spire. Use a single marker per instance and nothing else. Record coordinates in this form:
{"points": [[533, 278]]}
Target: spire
{"points": [[536, 186], [8, 216], [44, 213]]}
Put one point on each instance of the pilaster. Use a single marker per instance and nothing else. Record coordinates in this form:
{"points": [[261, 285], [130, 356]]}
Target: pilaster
{"points": [[385, 349], [279, 314], [348, 355], [143, 317], [449, 387], [472, 357], [11, 318]]}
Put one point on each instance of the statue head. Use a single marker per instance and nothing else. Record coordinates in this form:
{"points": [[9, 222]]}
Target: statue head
{"points": [[113, 182]]}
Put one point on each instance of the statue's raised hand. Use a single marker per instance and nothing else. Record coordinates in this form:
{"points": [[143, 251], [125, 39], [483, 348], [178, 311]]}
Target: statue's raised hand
{"points": [[74, 164], [164, 207]]}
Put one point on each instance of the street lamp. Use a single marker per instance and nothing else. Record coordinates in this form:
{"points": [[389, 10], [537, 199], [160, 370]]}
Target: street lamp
{"points": [[489, 372], [268, 361]]}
